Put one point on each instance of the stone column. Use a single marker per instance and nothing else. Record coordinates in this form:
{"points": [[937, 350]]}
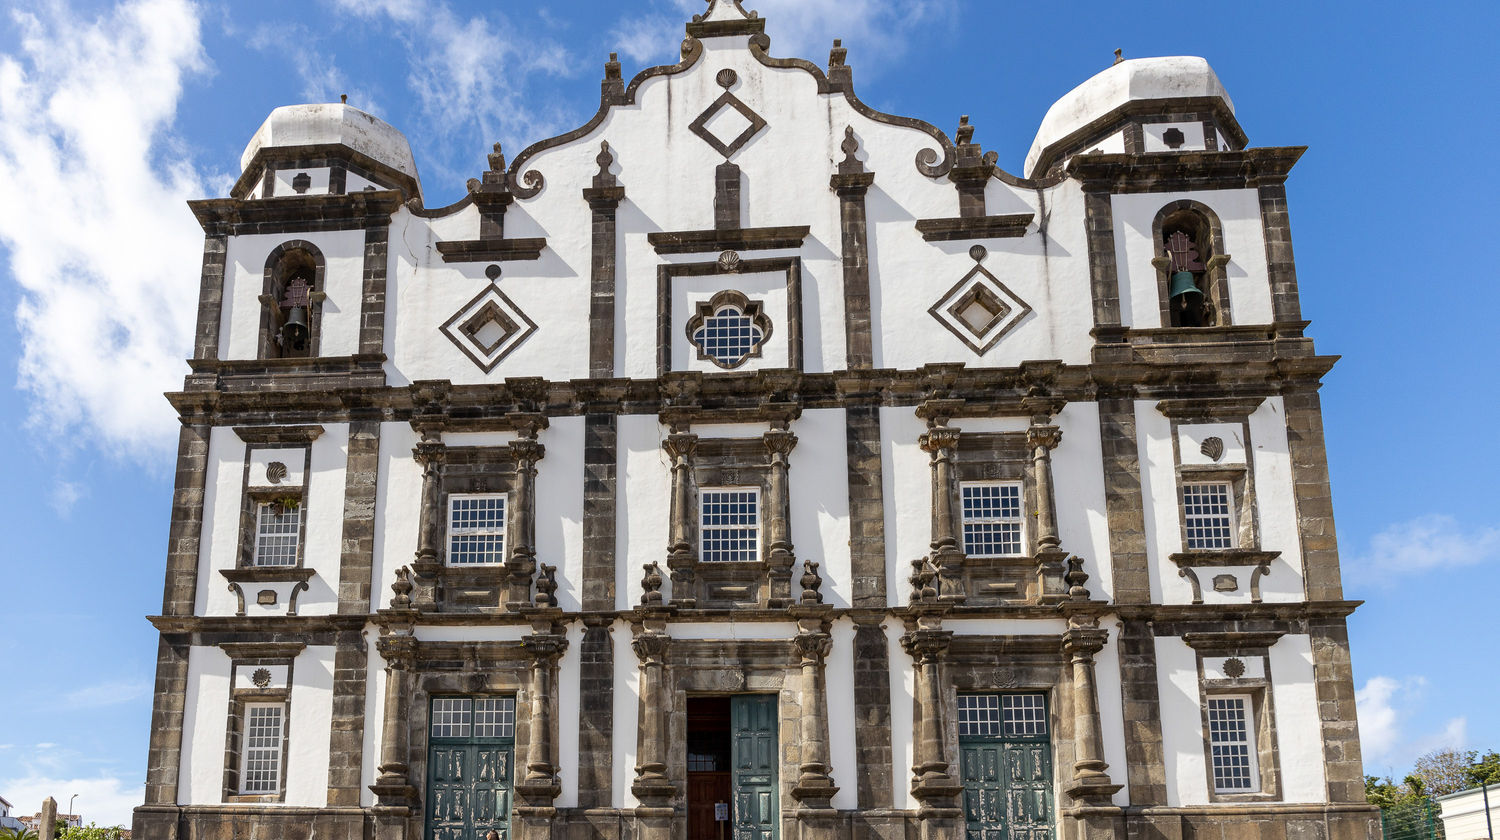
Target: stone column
{"points": [[521, 564], [812, 644], [778, 512], [431, 454], [931, 784], [652, 786], [680, 447], [539, 787], [941, 442], [1091, 784], [1042, 439]]}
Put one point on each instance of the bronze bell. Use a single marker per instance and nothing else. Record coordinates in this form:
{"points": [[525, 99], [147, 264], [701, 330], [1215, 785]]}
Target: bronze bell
{"points": [[294, 332], [1184, 284]]}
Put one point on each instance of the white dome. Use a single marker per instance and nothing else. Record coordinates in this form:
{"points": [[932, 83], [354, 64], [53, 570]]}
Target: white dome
{"points": [[312, 125], [1168, 77]]}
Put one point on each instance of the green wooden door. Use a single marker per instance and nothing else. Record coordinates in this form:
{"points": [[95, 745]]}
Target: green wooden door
{"points": [[469, 766], [753, 758], [1005, 760]]}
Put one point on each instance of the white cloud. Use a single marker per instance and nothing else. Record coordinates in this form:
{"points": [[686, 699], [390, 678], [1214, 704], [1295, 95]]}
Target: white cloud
{"points": [[65, 494], [1385, 706], [470, 75], [1433, 541], [316, 65], [111, 693], [102, 800], [97, 236]]}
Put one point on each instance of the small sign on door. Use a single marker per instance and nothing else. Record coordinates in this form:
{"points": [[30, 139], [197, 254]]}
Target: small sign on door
{"points": [[721, 812]]}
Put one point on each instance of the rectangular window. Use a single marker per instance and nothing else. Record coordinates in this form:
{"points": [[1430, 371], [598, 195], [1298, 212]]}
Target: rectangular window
{"points": [[1231, 744], [1208, 516], [992, 519], [260, 770], [1008, 715], [476, 529], [731, 525], [479, 717], [277, 529]]}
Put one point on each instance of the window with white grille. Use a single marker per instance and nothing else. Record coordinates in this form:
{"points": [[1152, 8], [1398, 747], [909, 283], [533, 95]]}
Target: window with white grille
{"points": [[729, 336], [476, 529], [1232, 744], [1002, 715], [477, 717], [730, 526], [1208, 516], [277, 530], [260, 758], [991, 518]]}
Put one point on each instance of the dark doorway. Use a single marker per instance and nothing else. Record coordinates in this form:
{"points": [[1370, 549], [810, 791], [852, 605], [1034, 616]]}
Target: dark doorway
{"points": [[709, 746]]}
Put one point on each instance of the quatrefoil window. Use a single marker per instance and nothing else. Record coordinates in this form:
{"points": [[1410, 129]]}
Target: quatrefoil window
{"points": [[729, 328]]}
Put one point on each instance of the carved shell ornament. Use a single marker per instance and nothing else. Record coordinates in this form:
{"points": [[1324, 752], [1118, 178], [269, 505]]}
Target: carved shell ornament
{"points": [[261, 677], [1212, 448], [275, 472]]}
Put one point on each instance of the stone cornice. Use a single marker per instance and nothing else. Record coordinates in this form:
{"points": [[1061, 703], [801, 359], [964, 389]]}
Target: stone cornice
{"points": [[261, 400], [300, 213], [1107, 124], [974, 227], [1174, 171], [491, 250], [727, 239], [251, 175]]}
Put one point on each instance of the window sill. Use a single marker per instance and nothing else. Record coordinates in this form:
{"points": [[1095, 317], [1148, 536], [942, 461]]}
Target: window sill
{"points": [[1217, 558], [254, 799], [268, 574]]}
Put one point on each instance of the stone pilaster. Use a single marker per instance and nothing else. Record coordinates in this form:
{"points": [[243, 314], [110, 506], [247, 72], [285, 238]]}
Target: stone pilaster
{"points": [[937, 791], [520, 566], [1042, 438], [210, 297], [851, 183], [1281, 268], [604, 199], [1104, 280], [372, 295], [596, 707], [778, 512], [941, 443], [680, 447], [872, 710]]}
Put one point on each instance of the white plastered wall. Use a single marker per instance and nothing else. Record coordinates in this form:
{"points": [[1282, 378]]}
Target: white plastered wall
{"points": [[1244, 242], [839, 679], [559, 508], [1299, 733], [398, 494], [1181, 722], [642, 506], [323, 508], [627, 685], [819, 489], [244, 280], [308, 728]]}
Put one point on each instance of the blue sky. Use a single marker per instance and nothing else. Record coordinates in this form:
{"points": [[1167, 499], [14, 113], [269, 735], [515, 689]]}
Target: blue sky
{"points": [[113, 114]]}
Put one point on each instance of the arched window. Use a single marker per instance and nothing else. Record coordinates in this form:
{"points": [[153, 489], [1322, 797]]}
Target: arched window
{"points": [[1190, 266], [291, 302]]}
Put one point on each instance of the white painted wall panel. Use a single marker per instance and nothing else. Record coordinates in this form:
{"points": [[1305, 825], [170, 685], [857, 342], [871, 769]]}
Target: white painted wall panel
{"points": [[324, 512], [839, 678], [1299, 734], [1159, 494], [568, 671], [1276, 503], [642, 506], [819, 488], [1181, 722], [374, 718], [1078, 489], [559, 508], [907, 496], [308, 727], [626, 716], [244, 279], [1112, 709], [218, 547], [205, 725], [903, 716], [398, 502]]}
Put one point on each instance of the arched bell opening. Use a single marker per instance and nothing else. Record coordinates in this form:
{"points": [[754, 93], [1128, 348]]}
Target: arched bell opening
{"points": [[291, 302]]}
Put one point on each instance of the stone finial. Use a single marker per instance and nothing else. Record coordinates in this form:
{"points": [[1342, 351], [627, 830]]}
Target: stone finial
{"points": [[1119, 57], [402, 587], [546, 586], [923, 581], [651, 585], [612, 88], [1076, 578], [497, 159], [812, 583]]}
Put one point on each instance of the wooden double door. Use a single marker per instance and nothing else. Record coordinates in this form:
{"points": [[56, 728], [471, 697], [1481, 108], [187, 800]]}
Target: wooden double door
{"points": [[1005, 761], [732, 757], [470, 766]]}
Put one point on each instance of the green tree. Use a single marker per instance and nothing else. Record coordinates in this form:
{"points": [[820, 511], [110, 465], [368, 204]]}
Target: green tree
{"points": [[22, 833], [91, 832], [1486, 770]]}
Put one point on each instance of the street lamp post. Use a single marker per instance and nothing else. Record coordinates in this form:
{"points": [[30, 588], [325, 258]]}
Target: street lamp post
{"points": [[70, 808]]}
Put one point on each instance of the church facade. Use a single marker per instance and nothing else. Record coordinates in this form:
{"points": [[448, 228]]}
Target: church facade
{"points": [[751, 463]]}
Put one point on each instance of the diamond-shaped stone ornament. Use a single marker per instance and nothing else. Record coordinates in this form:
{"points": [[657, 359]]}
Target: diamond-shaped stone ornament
{"points": [[488, 328], [979, 310], [715, 126]]}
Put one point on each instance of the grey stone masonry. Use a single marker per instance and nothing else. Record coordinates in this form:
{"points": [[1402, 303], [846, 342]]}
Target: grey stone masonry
{"points": [[1124, 506], [1145, 762], [1313, 493], [347, 726], [164, 755], [372, 296], [599, 469], [210, 297], [358, 544], [186, 530], [596, 694], [872, 712], [866, 505], [1104, 281], [1282, 270], [1334, 677]]}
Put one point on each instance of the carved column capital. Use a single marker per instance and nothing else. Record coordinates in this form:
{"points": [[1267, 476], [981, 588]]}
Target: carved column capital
{"points": [[651, 648], [398, 650], [527, 452], [813, 647], [779, 442], [545, 649], [927, 646], [1081, 641], [680, 446], [430, 454], [940, 441], [1043, 437]]}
